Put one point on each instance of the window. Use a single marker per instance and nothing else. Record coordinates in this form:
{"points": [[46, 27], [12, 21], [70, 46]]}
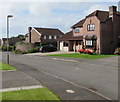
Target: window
{"points": [[88, 43], [91, 27], [77, 30], [50, 37], [65, 44], [45, 37], [55, 37]]}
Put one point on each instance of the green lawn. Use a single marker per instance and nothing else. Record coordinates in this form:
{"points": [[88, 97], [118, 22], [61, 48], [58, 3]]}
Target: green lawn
{"points": [[4, 66], [77, 55], [30, 94]]}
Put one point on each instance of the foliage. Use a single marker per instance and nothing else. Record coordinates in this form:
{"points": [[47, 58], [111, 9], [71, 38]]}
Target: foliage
{"points": [[33, 50], [81, 50], [42, 43], [21, 37], [18, 51], [10, 48], [117, 51], [84, 51]]}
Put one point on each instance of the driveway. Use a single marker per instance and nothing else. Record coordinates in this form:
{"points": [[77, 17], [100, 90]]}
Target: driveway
{"points": [[88, 80]]}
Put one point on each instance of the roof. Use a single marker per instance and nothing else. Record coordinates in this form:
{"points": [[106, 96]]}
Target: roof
{"points": [[79, 24], [12, 40], [69, 36], [101, 15], [49, 31]]}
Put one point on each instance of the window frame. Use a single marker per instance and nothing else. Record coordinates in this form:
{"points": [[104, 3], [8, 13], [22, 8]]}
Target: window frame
{"points": [[91, 27], [65, 44], [44, 37], [77, 30], [50, 37]]}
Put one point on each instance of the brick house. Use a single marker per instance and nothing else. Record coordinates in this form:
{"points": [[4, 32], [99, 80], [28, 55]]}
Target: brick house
{"points": [[44, 35], [99, 31]]}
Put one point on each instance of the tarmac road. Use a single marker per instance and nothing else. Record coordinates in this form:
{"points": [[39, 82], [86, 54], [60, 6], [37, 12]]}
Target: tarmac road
{"points": [[69, 79]]}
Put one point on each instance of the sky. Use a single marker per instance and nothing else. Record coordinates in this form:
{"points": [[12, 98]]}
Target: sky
{"points": [[52, 14]]}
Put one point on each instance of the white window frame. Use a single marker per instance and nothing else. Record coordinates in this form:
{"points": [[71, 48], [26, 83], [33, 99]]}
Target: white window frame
{"points": [[89, 42], [50, 37], [77, 30], [45, 37], [55, 37]]}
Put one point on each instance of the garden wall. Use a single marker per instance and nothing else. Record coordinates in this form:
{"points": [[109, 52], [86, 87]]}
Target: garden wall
{"points": [[25, 46]]}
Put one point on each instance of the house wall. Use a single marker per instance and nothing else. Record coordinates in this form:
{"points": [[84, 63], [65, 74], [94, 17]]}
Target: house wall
{"points": [[62, 48], [106, 37], [35, 37], [92, 20]]}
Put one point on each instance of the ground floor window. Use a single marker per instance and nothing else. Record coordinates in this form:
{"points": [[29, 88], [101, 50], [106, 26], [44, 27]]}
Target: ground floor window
{"points": [[91, 43], [65, 44], [88, 43]]}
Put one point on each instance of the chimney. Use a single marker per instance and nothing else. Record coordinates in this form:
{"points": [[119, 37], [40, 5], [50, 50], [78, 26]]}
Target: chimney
{"points": [[29, 33], [112, 11]]}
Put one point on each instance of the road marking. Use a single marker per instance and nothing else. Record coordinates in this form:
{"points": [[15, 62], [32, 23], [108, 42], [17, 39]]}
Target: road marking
{"points": [[70, 91], [78, 68], [21, 88], [99, 94], [108, 67]]}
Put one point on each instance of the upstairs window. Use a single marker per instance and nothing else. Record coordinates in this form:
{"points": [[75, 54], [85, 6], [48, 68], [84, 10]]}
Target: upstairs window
{"points": [[91, 27], [77, 30], [44, 37], [55, 37], [50, 37]]}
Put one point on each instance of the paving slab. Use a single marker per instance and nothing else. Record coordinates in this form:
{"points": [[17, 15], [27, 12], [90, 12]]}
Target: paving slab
{"points": [[17, 79]]}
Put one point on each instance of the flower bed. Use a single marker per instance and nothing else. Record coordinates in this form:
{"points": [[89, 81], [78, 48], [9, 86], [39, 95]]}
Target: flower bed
{"points": [[84, 51]]}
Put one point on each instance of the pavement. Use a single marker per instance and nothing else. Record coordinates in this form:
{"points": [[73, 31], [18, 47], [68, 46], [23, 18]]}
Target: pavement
{"points": [[87, 80], [50, 53]]}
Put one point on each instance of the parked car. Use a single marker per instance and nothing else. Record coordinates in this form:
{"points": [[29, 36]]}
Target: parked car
{"points": [[48, 48]]}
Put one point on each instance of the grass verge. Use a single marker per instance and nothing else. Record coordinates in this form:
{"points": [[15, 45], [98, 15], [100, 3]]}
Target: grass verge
{"points": [[77, 55], [30, 94], [4, 66]]}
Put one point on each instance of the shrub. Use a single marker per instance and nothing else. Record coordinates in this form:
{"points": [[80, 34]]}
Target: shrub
{"points": [[88, 52], [81, 50], [24, 52], [18, 51], [117, 51], [33, 50], [4, 48], [84, 51]]}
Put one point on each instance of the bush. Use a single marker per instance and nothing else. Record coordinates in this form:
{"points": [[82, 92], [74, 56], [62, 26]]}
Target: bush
{"points": [[81, 50], [33, 50], [117, 51], [11, 48], [84, 51], [88, 52], [18, 51]]}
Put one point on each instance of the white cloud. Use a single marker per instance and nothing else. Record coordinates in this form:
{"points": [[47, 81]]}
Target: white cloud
{"points": [[96, 7], [58, 15]]}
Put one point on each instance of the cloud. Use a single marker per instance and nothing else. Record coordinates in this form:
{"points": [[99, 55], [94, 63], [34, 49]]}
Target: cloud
{"points": [[96, 7], [54, 14]]}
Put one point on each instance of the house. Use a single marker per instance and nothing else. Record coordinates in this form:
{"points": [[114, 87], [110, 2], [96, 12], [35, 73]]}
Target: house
{"points": [[12, 41], [44, 35], [99, 32]]}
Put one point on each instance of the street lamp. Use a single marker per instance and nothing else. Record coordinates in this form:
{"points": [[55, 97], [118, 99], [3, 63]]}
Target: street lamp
{"points": [[9, 16]]}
